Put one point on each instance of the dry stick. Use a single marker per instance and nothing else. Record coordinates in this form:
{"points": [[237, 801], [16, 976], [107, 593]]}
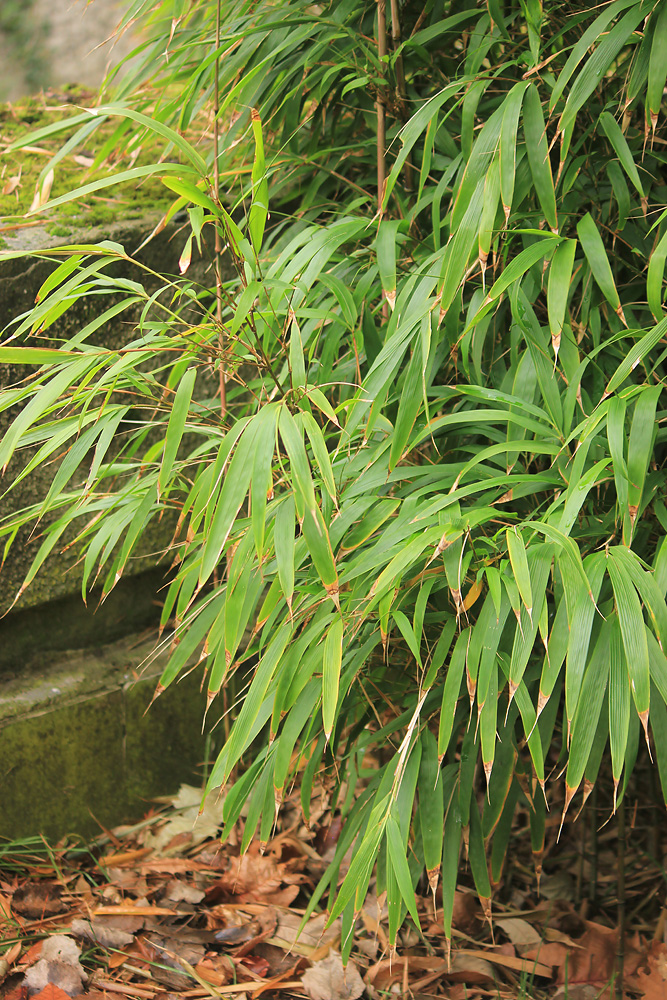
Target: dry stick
{"points": [[218, 241], [620, 946]]}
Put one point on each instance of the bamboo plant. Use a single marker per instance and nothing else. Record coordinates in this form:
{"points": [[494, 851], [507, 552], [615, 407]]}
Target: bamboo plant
{"points": [[419, 508]]}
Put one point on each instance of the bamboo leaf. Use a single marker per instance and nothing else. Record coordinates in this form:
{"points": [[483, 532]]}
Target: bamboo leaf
{"points": [[333, 654]]}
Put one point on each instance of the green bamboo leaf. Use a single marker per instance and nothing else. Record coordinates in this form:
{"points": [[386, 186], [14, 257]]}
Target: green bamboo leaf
{"points": [[640, 447], [616, 438], [587, 714], [657, 67], [385, 248], [633, 632], [451, 691], [431, 808], [477, 856], [558, 289], [508, 143], [537, 149], [595, 30], [292, 438], [636, 354], [519, 562], [654, 278], [592, 73], [255, 710], [175, 427], [515, 270], [233, 493], [596, 255], [620, 145], [317, 539], [451, 850], [322, 458], [333, 655], [399, 864], [488, 719], [619, 702], [283, 540], [41, 404], [259, 207]]}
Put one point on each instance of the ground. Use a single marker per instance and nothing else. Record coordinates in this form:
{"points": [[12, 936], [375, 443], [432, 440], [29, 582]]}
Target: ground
{"points": [[162, 910]]}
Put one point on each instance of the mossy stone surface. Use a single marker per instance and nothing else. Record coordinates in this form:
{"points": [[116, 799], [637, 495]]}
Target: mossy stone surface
{"points": [[76, 748]]}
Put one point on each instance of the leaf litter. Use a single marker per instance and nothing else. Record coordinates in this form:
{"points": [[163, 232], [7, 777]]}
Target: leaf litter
{"points": [[164, 911]]}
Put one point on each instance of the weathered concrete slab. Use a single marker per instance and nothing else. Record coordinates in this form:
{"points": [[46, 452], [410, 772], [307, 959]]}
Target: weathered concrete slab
{"points": [[76, 748]]}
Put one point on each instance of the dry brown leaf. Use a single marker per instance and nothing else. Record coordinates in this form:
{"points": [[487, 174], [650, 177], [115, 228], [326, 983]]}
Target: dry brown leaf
{"points": [[519, 931], [330, 980], [12, 184], [470, 969], [58, 966], [36, 900], [650, 979], [99, 933], [52, 992], [385, 973], [178, 891], [466, 912]]}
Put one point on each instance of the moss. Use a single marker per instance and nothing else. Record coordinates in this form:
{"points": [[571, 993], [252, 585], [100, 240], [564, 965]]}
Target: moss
{"points": [[20, 169]]}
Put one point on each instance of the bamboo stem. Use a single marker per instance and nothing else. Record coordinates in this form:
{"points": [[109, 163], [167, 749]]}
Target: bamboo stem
{"points": [[380, 104], [620, 920], [396, 41], [218, 241]]}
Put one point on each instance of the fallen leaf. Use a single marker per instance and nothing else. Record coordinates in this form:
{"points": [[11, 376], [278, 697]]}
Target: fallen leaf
{"points": [[52, 992], [650, 979], [385, 973], [178, 891], [36, 900], [330, 980], [470, 969], [519, 931], [98, 933], [12, 184]]}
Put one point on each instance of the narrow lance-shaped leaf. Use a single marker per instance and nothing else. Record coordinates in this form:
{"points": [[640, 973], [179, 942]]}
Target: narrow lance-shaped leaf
{"points": [[431, 808], [619, 703], [558, 290], [176, 425], [259, 207], [333, 654], [657, 67], [508, 144], [596, 255], [633, 632], [654, 278], [519, 561], [385, 246], [537, 149], [283, 540], [620, 145]]}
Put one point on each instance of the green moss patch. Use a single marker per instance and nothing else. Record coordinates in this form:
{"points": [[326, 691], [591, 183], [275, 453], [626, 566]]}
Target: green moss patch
{"points": [[108, 150]]}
